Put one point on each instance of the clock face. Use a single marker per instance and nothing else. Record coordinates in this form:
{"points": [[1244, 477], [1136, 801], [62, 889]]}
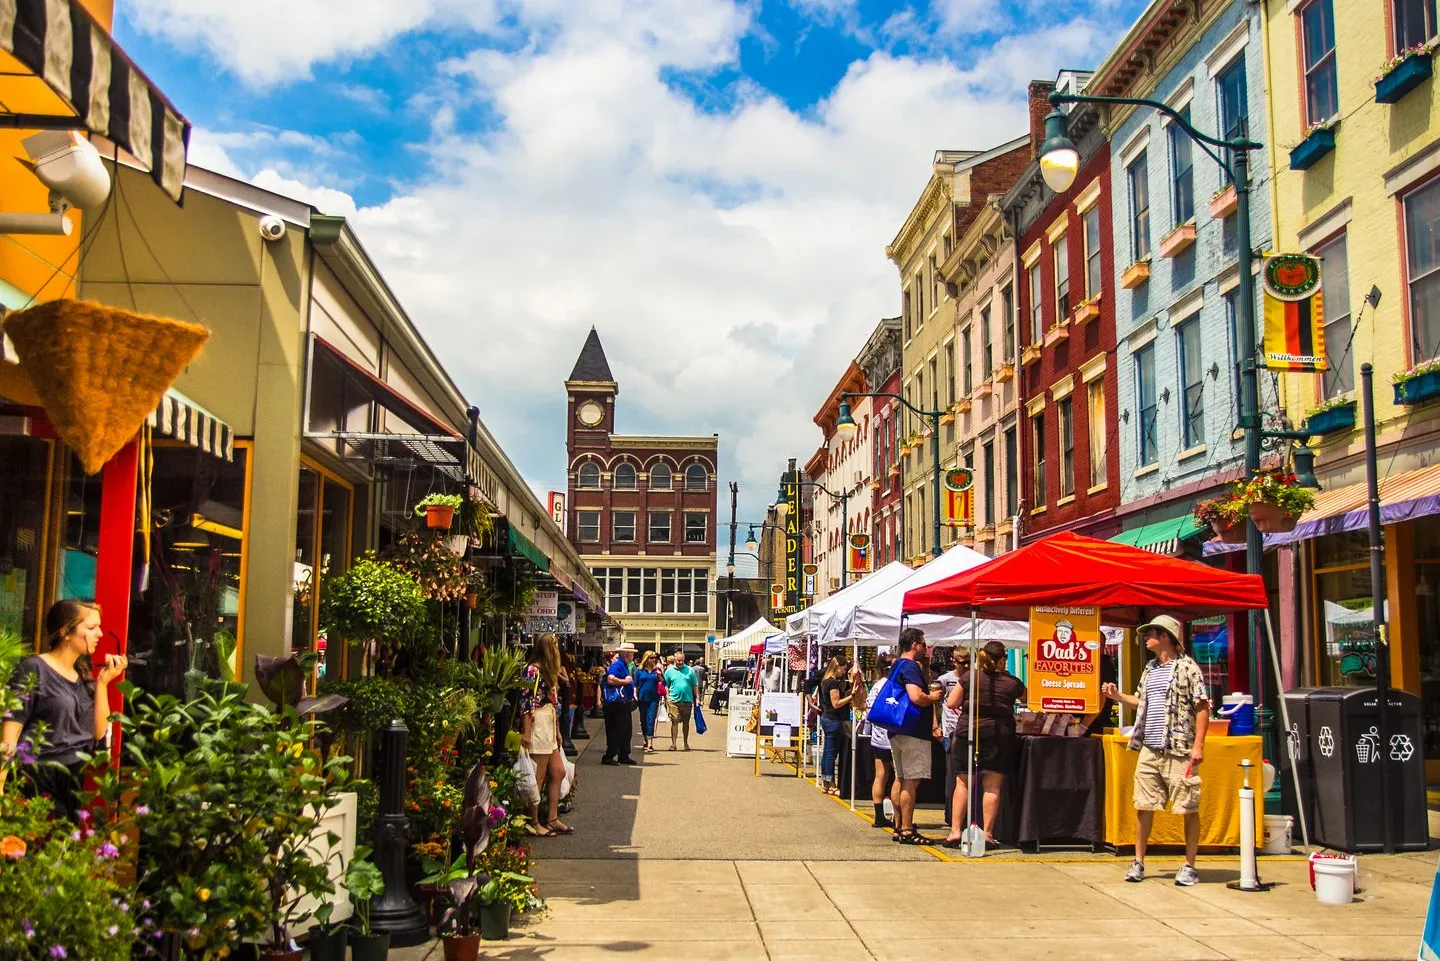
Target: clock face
{"points": [[590, 413]]}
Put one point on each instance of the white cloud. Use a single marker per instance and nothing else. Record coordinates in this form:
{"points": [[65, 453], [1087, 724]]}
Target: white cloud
{"points": [[324, 199]]}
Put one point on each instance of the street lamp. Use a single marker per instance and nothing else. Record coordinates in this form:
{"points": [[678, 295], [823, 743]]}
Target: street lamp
{"points": [[1059, 164], [845, 427]]}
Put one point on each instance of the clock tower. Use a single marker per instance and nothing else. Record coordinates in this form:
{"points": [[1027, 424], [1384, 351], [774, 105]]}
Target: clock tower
{"points": [[591, 391]]}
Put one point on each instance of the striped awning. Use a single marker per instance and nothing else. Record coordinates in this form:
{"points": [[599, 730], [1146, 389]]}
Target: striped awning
{"points": [[1161, 537], [181, 419], [1403, 497], [59, 69]]}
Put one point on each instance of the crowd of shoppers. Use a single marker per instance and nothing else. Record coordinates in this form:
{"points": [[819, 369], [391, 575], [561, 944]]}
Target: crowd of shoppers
{"points": [[644, 687]]}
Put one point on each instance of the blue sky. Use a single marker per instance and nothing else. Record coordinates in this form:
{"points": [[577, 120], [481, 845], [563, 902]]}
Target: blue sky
{"points": [[711, 183]]}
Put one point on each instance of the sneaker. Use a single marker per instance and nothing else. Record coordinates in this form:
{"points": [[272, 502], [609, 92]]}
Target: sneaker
{"points": [[609, 761], [1186, 876], [1136, 872]]}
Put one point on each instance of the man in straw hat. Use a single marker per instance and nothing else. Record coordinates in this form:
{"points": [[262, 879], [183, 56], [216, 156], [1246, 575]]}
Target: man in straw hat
{"points": [[619, 697], [1172, 714]]}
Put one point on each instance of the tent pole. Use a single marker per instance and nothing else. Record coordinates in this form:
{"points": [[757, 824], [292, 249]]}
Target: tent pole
{"points": [[974, 746], [1285, 720], [854, 663]]}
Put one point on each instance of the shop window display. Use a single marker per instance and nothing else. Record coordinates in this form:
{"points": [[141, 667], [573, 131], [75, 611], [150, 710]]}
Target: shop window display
{"points": [[1344, 610], [322, 542], [1427, 623], [24, 476]]}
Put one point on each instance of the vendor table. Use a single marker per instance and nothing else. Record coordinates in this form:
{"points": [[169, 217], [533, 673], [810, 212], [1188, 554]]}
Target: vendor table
{"points": [[1220, 776], [1056, 793]]}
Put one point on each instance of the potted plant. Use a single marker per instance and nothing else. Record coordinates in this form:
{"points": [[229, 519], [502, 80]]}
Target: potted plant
{"points": [[498, 897], [439, 509], [430, 558], [1225, 515], [1402, 73], [1334, 415], [327, 941], [1417, 385], [364, 882], [375, 604], [502, 670], [1275, 501]]}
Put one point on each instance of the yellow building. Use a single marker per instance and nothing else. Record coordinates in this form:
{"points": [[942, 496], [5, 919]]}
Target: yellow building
{"points": [[1356, 180]]}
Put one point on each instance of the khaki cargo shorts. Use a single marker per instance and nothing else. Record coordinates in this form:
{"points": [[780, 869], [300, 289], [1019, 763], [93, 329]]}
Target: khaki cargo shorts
{"points": [[1161, 783], [911, 757]]}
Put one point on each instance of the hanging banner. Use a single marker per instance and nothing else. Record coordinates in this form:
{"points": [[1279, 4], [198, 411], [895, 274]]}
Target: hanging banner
{"points": [[959, 497], [1294, 313], [1065, 659], [810, 571], [859, 553], [793, 555], [557, 509], [777, 597]]}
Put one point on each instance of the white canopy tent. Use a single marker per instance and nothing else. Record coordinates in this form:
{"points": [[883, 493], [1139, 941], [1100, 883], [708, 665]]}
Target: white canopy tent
{"points": [[813, 619], [736, 647]]}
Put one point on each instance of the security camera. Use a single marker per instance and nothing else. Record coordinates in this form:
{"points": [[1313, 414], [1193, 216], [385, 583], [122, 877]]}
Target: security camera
{"points": [[70, 166], [272, 228]]}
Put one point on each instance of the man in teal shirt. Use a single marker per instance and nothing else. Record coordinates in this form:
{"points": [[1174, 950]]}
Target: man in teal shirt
{"points": [[681, 686]]}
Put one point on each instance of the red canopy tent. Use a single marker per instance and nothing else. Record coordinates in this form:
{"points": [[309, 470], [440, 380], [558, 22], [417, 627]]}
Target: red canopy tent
{"points": [[1129, 584]]}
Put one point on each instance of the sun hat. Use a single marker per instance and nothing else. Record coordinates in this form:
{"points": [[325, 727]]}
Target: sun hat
{"points": [[1165, 623], [625, 647]]}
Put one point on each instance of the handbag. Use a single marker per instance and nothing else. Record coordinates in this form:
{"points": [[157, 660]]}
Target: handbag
{"points": [[893, 710], [699, 719]]}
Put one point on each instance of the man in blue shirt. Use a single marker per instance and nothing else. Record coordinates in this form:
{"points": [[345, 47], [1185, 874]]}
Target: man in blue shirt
{"points": [[619, 697], [910, 744]]}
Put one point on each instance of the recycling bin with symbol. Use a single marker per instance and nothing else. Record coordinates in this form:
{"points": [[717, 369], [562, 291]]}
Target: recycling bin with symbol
{"points": [[1338, 752]]}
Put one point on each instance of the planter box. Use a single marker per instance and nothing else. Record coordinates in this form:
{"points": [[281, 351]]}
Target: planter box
{"points": [[1332, 420], [1004, 527], [1135, 275], [895, 469], [1404, 77], [947, 418], [1029, 354], [1419, 389], [1225, 203], [1057, 334], [1177, 240], [1004, 372], [875, 485], [1307, 153], [962, 406], [983, 390], [985, 535], [1087, 311]]}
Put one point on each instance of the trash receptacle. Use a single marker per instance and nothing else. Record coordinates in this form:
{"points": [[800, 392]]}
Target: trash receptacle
{"points": [[1340, 757], [1299, 746]]}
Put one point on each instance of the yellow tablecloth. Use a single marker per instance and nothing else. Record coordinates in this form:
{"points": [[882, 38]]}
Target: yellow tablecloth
{"points": [[1219, 795]]}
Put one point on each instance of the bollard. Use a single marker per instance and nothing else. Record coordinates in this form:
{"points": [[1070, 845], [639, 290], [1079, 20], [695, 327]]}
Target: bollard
{"points": [[395, 912], [1249, 865]]}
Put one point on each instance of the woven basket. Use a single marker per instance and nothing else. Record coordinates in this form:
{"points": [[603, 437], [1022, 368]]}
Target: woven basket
{"points": [[100, 370]]}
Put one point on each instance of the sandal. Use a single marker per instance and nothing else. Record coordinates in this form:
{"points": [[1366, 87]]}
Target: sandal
{"points": [[951, 843], [539, 832], [558, 828], [915, 837]]}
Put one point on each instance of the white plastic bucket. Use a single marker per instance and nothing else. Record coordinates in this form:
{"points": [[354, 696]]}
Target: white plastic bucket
{"points": [[1335, 881], [1277, 834]]}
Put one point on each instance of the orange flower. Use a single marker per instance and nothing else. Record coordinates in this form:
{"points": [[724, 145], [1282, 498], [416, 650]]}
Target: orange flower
{"points": [[12, 847]]}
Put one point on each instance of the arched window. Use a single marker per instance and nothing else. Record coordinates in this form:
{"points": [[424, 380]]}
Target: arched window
{"points": [[696, 478], [588, 476], [660, 477], [625, 477]]}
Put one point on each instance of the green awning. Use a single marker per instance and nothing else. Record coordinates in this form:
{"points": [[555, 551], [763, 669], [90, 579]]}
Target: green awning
{"points": [[1161, 537], [518, 545]]}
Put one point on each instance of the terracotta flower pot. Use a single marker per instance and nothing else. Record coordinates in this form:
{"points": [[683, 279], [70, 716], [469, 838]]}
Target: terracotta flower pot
{"points": [[439, 516], [1270, 519], [461, 947], [1229, 533]]}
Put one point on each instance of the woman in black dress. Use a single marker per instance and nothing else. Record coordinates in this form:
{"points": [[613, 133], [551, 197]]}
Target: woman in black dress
{"points": [[65, 705], [997, 691]]}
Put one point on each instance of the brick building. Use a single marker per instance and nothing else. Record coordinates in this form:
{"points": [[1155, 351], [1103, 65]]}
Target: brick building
{"points": [[641, 513], [1069, 462], [844, 470], [879, 361]]}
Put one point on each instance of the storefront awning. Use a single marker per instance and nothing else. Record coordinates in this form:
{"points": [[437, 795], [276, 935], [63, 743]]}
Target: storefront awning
{"points": [[1403, 497], [180, 418], [518, 545], [1161, 537], [60, 70]]}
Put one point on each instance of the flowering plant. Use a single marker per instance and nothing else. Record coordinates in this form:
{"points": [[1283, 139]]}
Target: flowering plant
{"points": [[1278, 488], [1334, 403], [1414, 50], [1220, 511], [1427, 367]]}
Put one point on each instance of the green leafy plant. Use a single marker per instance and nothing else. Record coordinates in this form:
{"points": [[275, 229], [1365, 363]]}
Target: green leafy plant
{"points": [[477, 520], [1428, 367], [452, 501], [375, 604], [1278, 488], [502, 670], [364, 882], [1220, 511], [506, 886], [1334, 403], [425, 556]]}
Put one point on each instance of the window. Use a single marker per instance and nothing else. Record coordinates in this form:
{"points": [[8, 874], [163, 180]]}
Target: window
{"points": [[1037, 307], [1317, 43], [1233, 324], [1012, 472], [1037, 456], [1137, 177], [1091, 230], [1192, 384], [947, 244], [1007, 308], [1234, 105], [966, 364], [659, 527], [1414, 22], [987, 346], [934, 284], [1182, 169], [587, 477], [919, 288], [660, 477], [651, 590], [695, 527], [1062, 279], [625, 477], [905, 311], [950, 372], [1335, 297], [1067, 446], [588, 523], [987, 476], [624, 526], [935, 376], [1422, 251], [696, 479], [1145, 398], [1095, 421], [919, 400], [921, 523]]}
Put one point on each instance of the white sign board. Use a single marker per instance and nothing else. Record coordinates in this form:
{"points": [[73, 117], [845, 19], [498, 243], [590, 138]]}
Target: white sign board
{"points": [[544, 604], [782, 735], [779, 708], [561, 622], [738, 741]]}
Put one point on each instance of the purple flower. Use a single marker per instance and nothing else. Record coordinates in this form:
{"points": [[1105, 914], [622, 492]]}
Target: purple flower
{"points": [[75, 836], [141, 810], [24, 753], [83, 816], [109, 851], [496, 816], [58, 951], [28, 928]]}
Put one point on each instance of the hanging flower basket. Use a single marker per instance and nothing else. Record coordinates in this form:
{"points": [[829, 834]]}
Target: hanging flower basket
{"points": [[439, 517], [1229, 533], [1271, 519]]}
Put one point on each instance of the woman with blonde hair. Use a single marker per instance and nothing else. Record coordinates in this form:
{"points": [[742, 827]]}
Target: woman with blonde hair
{"points": [[540, 732], [647, 694], [59, 695], [997, 691], [837, 693]]}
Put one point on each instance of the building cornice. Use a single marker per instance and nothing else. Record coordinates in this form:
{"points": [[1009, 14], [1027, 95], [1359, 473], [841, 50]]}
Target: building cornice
{"points": [[923, 217], [1157, 40], [674, 442]]}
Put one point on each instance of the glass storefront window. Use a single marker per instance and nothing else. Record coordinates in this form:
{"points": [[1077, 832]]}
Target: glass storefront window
{"points": [[1345, 627], [24, 479], [79, 533], [322, 550], [1426, 539]]}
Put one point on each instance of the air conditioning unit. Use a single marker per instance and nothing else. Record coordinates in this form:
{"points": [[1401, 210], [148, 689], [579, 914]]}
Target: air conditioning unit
{"points": [[834, 583], [859, 477]]}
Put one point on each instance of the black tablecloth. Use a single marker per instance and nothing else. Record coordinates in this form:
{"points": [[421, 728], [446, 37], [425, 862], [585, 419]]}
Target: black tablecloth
{"points": [[1056, 794]]}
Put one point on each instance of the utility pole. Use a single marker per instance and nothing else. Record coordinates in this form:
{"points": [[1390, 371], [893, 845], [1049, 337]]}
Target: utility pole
{"points": [[730, 561]]}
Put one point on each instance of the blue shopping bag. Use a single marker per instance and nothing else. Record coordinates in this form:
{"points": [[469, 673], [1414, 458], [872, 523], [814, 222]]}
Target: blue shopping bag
{"points": [[893, 709], [699, 719], [1430, 937]]}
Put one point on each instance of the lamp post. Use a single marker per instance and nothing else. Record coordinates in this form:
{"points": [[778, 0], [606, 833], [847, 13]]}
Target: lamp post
{"points": [[1059, 164], [845, 427], [844, 499]]}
